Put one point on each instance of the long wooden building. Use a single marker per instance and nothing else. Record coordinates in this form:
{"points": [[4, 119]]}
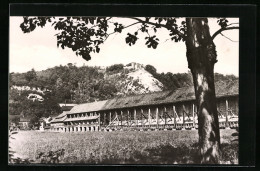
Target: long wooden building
{"points": [[168, 110]]}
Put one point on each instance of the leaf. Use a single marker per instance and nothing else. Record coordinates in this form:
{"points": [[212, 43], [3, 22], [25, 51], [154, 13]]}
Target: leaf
{"points": [[91, 21], [53, 23], [97, 49]]}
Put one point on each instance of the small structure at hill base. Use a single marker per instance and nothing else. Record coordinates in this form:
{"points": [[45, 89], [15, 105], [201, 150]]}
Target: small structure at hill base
{"points": [[44, 123], [24, 123]]}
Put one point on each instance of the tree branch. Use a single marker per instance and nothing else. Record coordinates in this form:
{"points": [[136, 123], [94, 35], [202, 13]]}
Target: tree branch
{"points": [[157, 24], [223, 29], [227, 38], [148, 33], [131, 24], [122, 29], [232, 24]]}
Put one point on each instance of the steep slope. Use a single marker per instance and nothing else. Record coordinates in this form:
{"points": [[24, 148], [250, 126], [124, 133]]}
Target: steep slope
{"points": [[143, 82]]}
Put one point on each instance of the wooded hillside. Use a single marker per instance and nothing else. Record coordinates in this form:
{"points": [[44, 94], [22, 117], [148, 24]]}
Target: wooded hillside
{"points": [[72, 84]]}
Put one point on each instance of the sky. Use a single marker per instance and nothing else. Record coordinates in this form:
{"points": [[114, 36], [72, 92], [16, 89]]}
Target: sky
{"points": [[38, 50]]}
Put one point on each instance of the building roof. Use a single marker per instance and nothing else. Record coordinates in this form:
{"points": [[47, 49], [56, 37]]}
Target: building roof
{"points": [[88, 107], [67, 104], [82, 118], [223, 89], [60, 118], [66, 108], [24, 119]]}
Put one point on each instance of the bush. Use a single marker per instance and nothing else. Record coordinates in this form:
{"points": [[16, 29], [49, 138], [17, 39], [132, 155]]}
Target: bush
{"points": [[115, 68], [151, 69]]}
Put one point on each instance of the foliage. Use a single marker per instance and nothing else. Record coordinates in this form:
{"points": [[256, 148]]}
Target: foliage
{"points": [[34, 110], [51, 157], [223, 22], [84, 35], [225, 78], [173, 81], [115, 68], [30, 75], [73, 84], [14, 119], [151, 69]]}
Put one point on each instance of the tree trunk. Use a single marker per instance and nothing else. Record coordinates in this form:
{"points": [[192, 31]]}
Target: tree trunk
{"points": [[201, 55]]}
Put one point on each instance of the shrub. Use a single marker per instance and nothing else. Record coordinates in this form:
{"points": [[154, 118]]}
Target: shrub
{"points": [[115, 68]]}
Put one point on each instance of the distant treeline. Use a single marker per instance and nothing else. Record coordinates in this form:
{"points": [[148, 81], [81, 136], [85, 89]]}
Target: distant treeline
{"points": [[172, 81]]}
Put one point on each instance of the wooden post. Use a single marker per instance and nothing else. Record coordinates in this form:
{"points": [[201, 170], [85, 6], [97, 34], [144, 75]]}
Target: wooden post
{"points": [[104, 122], [135, 117], [110, 117], [193, 115], [127, 117], [227, 113], [99, 120], [149, 116], [157, 117], [142, 117], [121, 113], [174, 114], [116, 117], [183, 117], [165, 121]]}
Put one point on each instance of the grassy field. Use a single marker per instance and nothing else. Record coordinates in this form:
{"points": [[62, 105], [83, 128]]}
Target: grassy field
{"points": [[154, 147]]}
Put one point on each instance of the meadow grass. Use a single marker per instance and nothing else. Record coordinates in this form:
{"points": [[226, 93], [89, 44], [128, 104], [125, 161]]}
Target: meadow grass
{"points": [[121, 147]]}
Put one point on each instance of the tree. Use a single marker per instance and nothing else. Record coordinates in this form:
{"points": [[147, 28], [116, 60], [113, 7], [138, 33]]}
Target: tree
{"points": [[115, 68], [84, 35], [30, 75], [151, 69]]}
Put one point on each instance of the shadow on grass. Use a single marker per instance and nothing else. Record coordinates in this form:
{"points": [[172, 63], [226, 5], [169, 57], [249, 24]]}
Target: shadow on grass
{"points": [[169, 154], [163, 154]]}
